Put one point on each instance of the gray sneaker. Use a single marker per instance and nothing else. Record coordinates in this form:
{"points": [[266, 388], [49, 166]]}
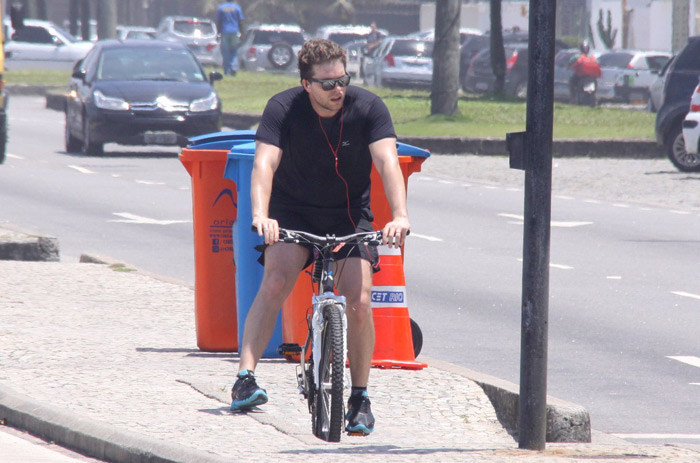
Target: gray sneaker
{"points": [[246, 393], [359, 416]]}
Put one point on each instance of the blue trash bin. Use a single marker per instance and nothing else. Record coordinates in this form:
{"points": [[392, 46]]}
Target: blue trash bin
{"points": [[249, 272]]}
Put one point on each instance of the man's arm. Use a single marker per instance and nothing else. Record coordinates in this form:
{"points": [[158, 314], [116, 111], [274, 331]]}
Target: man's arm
{"points": [[267, 159], [386, 160]]}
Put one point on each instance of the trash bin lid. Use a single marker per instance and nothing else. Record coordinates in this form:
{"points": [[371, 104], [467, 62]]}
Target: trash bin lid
{"points": [[221, 140], [410, 150]]}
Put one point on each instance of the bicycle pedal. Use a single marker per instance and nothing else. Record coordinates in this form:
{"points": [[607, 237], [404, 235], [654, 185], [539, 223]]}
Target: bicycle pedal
{"points": [[289, 349], [357, 433]]}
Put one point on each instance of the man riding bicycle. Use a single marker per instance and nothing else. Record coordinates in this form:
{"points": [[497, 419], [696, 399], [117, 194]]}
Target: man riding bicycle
{"points": [[315, 147]]}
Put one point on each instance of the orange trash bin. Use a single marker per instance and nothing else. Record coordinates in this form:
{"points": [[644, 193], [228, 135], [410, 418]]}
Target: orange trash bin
{"points": [[298, 305], [214, 210]]}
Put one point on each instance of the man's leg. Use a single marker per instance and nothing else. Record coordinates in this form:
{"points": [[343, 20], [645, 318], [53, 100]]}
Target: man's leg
{"points": [[355, 283], [225, 46], [283, 262]]}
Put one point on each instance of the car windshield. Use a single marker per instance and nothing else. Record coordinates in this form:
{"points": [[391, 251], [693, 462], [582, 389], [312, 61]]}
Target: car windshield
{"points": [[615, 60], [269, 37], [148, 64], [194, 28], [412, 48], [341, 38]]}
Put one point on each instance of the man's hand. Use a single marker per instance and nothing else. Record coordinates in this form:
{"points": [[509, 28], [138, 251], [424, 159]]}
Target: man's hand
{"points": [[394, 232], [267, 228]]}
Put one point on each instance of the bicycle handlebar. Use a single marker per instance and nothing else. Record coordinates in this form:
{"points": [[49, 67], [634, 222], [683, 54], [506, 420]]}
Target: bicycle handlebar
{"points": [[373, 238]]}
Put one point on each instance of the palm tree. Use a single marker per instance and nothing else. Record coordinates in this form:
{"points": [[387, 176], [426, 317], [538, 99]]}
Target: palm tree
{"points": [[498, 54]]}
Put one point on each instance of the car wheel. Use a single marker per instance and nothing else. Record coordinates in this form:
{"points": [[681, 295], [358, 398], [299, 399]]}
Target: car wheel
{"points": [[280, 55], [72, 144], [90, 147], [679, 156]]}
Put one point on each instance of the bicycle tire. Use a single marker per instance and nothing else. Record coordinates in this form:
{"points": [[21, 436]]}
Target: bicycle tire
{"points": [[327, 414]]}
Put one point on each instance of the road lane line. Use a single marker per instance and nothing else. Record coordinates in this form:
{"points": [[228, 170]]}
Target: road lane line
{"points": [[689, 359], [133, 218], [614, 277], [559, 266], [426, 237], [82, 170], [656, 436], [684, 294], [14, 156], [680, 212], [553, 223], [446, 182], [146, 182]]}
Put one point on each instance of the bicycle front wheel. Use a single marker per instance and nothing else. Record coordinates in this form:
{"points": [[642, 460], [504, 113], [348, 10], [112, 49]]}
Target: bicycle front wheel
{"points": [[327, 414]]}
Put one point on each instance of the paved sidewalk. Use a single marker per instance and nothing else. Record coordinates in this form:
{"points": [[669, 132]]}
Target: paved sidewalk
{"points": [[105, 359]]}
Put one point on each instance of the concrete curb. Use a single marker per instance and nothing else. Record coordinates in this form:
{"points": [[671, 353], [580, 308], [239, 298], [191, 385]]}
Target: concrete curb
{"points": [[15, 245], [620, 148], [91, 437], [566, 421]]}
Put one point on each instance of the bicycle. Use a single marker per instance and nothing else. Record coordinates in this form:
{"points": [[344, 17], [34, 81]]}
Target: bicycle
{"points": [[321, 380]]}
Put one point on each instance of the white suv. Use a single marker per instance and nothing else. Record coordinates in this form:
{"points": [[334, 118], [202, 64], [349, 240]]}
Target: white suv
{"points": [[198, 34], [270, 47], [691, 125], [42, 45]]}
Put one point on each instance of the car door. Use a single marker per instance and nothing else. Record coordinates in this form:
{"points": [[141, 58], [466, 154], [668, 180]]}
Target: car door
{"points": [[31, 47]]}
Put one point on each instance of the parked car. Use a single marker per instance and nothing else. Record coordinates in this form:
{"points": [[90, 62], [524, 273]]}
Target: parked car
{"points": [[477, 43], [656, 89], [464, 34], [627, 74], [681, 79], [563, 71], [355, 53], [136, 32], [344, 34], [270, 47], [691, 125], [139, 92], [198, 34], [42, 45], [479, 77], [400, 61]]}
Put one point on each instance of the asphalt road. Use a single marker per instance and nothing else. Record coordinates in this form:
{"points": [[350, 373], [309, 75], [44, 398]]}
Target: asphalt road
{"points": [[625, 297]]}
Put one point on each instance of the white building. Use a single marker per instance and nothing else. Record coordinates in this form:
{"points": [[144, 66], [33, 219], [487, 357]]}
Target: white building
{"points": [[662, 25]]}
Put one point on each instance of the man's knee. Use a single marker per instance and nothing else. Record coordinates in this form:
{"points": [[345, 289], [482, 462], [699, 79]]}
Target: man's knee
{"points": [[359, 307]]}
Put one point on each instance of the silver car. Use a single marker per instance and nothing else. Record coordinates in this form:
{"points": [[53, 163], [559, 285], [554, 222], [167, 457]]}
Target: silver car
{"points": [[270, 47], [198, 34], [627, 74], [400, 61], [42, 45]]}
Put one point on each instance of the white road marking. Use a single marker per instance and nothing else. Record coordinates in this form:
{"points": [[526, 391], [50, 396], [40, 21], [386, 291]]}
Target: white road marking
{"points": [[489, 187], [14, 156], [563, 197], [689, 359], [591, 201], [429, 179], [680, 212], [133, 218], [620, 205], [467, 185], [82, 170], [514, 189], [657, 436], [695, 384], [684, 294], [146, 182], [553, 223], [559, 266], [446, 182], [613, 277], [426, 237]]}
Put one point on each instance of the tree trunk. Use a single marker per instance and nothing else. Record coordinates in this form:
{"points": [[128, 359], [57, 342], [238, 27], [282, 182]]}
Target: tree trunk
{"points": [[73, 13], [498, 54], [445, 86], [85, 19], [106, 19]]}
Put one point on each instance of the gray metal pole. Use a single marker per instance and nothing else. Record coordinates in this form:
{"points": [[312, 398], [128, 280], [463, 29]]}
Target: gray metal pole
{"points": [[532, 427]]}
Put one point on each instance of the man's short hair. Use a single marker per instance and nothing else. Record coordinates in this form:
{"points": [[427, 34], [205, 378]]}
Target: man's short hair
{"points": [[318, 51]]}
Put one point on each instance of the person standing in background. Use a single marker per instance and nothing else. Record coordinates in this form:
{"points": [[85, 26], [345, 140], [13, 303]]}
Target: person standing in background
{"points": [[228, 18]]}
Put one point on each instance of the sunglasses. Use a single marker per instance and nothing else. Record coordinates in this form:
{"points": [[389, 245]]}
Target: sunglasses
{"points": [[329, 84]]}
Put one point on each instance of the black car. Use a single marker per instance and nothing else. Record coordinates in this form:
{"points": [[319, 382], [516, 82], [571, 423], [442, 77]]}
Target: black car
{"points": [[138, 93], [681, 79], [479, 77]]}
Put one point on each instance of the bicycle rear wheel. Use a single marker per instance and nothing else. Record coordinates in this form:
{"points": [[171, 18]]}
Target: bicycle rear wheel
{"points": [[327, 414]]}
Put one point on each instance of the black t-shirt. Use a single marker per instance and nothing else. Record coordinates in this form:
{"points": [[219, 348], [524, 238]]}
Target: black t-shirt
{"points": [[306, 175]]}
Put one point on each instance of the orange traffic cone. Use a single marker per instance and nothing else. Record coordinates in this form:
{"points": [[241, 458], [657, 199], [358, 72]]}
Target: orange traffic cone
{"points": [[393, 346]]}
